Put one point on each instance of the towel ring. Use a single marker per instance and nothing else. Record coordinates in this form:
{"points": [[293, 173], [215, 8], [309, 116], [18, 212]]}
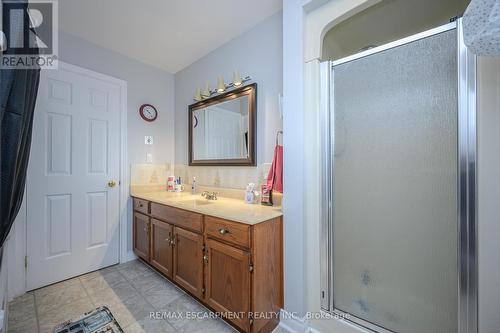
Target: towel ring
{"points": [[277, 136]]}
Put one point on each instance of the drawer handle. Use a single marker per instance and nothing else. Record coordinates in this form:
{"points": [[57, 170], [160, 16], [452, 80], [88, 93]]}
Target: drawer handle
{"points": [[223, 231], [205, 259], [140, 205]]}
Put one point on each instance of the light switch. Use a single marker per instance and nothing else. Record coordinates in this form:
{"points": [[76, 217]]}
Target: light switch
{"points": [[148, 140], [149, 158]]}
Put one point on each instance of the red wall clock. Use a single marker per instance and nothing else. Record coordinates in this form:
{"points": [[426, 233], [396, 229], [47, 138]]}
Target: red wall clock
{"points": [[148, 112]]}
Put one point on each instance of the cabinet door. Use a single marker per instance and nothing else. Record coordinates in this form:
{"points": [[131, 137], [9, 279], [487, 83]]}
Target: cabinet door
{"points": [[228, 282], [141, 236], [161, 246], [188, 261]]}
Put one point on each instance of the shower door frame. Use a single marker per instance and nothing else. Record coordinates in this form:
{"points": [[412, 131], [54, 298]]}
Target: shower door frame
{"points": [[467, 213]]}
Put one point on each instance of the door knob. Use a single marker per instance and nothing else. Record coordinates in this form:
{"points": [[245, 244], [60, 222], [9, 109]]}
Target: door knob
{"points": [[111, 183]]}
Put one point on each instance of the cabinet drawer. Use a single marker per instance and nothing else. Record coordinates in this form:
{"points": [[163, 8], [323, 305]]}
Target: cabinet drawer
{"points": [[141, 206], [141, 235], [228, 231], [179, 217]]}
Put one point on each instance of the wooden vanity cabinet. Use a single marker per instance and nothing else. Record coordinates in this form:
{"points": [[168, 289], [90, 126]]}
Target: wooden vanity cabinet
{"points": [[228, 271], [141, 206], [237, 234], [244, 272], [178, 217], [162, 238], [236, 269], [141, 235], [188, 261]]}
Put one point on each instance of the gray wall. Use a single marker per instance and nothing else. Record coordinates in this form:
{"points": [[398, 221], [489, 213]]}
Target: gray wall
{"points": [[257, 53], [145, 84]]}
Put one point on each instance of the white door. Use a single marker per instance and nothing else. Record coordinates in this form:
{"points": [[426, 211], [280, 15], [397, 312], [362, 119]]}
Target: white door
{"points": [[72, 211]]}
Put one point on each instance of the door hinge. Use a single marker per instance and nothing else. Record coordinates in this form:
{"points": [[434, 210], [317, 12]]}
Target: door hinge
{"points": [[250, 268], [26, 262]]}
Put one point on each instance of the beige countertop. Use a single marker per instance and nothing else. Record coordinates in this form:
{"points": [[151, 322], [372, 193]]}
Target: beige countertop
{"points": [[225, 208]]}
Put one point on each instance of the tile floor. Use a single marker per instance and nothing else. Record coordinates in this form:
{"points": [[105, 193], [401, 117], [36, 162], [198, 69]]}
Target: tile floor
{"points": [[131, 291]]}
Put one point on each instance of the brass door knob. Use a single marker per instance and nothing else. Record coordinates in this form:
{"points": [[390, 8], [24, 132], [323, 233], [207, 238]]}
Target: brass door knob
{"points": [[205, 259], [111, 183]]}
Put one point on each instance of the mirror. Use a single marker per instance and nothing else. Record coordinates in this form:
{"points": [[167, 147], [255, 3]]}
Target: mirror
{"points": [[222, 128]]}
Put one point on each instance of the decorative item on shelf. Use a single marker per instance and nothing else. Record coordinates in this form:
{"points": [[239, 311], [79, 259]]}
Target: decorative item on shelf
{"points": [[221, 87]]}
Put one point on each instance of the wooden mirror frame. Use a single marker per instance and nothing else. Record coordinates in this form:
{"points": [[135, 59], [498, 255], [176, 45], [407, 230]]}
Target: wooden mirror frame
{"points": [[248, 90]]}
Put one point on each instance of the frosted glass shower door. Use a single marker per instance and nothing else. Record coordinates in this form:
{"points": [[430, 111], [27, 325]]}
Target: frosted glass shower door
{"points": [[394, 214]]}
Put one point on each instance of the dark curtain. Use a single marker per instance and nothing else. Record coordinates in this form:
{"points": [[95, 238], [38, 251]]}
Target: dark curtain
{"points": [[18, 91]]}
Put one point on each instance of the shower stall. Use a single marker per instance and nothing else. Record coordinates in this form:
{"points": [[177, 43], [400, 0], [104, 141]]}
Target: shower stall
{"points": [[398, 248]]}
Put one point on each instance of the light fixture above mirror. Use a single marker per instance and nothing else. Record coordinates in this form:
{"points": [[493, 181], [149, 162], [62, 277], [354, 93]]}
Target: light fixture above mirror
{"points": [[237, 80], [206, 92]]}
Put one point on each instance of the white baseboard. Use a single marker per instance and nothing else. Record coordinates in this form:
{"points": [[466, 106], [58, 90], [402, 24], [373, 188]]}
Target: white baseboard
{"points": [[292, 323], [129, 257]]}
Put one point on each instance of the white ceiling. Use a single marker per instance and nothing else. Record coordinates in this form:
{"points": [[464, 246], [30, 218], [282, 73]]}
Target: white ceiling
{"points": [[169, 34]]}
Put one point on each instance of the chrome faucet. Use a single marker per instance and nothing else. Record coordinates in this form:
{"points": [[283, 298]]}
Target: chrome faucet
{"points": [[209, 195]]}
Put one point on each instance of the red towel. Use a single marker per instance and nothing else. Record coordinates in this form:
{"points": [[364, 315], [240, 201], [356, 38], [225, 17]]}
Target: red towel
{"points": [[275, 177]]}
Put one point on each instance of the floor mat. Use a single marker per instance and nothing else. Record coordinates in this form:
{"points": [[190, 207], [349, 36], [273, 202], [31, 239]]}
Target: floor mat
{"points": [[100, 320]]}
